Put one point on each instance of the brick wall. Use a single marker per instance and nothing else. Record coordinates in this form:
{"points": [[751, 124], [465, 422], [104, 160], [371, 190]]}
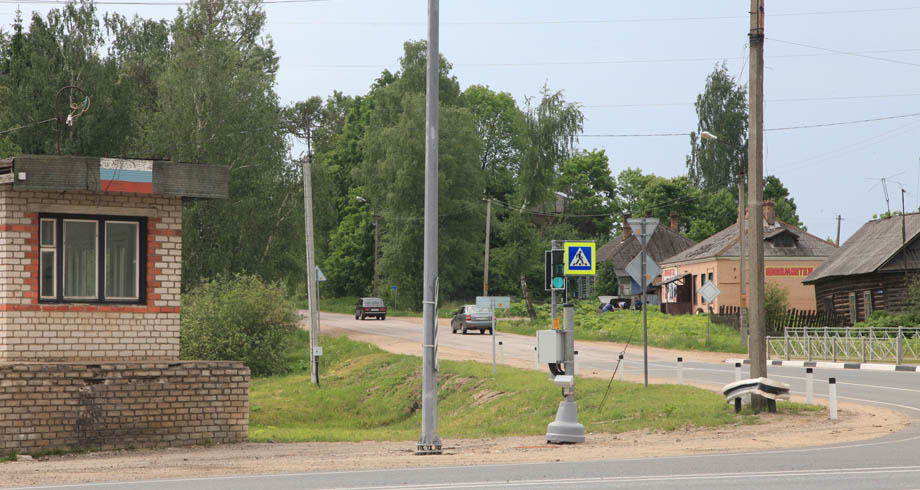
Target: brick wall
{"points": [[117, 405], [30, 331]]}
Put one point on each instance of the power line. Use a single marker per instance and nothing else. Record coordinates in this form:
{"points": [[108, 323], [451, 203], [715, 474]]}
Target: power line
{"points": [[849, 53], [790, 99], [24, 126], [145, 3]]}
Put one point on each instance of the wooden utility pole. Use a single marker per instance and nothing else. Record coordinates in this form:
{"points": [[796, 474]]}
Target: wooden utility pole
{"points": [[485, 274], [742, 311], [757, 345], [838, 229]]}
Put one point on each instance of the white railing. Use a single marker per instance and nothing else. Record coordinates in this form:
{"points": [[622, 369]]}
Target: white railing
{"points": [[895, 344]]}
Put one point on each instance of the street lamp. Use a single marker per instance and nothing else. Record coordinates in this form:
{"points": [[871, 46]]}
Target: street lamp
{"points": [[376, 238], [708, 136]]}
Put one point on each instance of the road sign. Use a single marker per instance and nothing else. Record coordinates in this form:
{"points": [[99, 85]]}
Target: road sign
{"points": [[634, 268], [709, 291], [651, 224], [579, 259], [320, 277], [393, 288], [494, 302], [554, 270]]}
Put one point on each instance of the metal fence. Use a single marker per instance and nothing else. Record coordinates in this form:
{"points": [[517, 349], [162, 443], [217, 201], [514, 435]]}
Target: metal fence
{"points": [[896, 344]]}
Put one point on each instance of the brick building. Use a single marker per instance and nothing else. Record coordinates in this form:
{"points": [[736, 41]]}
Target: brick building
{"points": [[90, 286]]}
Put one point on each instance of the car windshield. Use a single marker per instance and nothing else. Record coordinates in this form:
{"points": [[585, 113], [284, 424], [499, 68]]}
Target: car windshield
{"points": [[477, 309], [373, 302]]}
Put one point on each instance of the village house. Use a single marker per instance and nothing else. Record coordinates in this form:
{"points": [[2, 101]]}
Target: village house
{"points": [[90, 287], [790, 254], [871, 271], [665, 242]]}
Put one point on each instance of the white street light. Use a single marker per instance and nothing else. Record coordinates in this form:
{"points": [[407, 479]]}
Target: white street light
{"points": [[708, 136]]}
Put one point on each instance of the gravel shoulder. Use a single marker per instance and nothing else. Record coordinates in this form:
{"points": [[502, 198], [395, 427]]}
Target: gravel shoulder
{"points": [[855, 423]]}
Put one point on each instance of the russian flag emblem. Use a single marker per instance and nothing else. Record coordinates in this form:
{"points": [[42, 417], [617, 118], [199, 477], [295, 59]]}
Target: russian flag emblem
{"points": [[118, 175]]}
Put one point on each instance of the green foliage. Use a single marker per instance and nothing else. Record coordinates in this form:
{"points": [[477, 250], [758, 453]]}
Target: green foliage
{"points": [[368, 394], [586, 179], [8, 148], [350, 263], [500, 124], [722, 111], [784, 206], [606, 283], [240, 318], [776, 304]]}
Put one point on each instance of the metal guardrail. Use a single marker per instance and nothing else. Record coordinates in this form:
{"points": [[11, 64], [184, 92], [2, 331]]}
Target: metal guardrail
{"points": [[896, 344]]}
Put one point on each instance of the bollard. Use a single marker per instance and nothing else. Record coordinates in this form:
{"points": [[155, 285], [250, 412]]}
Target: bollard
{"points": [[899, 346], [737, 371], [680, 370], [536, 358], [809, 385], [501, 352], [575, 364], [832, 392], [620, 367]]}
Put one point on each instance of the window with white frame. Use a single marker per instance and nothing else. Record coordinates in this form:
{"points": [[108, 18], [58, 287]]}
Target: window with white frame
{"points": [[91, 259]]}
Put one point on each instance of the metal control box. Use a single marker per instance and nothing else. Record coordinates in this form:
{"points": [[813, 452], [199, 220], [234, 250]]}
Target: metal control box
{"points": [[550, 346]]}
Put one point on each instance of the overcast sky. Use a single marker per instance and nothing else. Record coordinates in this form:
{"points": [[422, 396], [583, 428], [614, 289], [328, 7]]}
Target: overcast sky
{"points": [[637, 67]]}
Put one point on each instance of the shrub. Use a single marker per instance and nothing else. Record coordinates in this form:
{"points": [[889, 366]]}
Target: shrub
{"points": [[240, 319], [776, 303]]}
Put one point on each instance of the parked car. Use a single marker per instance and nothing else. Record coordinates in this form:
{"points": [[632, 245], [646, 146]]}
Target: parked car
{"points": [[471, 317], [372, 307]]}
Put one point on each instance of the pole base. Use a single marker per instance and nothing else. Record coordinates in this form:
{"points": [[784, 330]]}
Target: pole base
{"points": [[565, 429]]}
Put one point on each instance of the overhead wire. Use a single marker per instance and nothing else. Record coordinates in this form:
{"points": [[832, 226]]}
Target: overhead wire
{"points": [[848, 53]]}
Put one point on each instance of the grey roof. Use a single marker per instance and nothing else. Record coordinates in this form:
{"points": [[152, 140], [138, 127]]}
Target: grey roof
{"points": [[664, 243], [725, 244], [873, 245]]}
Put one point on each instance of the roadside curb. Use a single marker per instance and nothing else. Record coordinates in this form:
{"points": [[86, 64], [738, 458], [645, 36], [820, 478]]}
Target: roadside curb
{"points": [[836, 365]]}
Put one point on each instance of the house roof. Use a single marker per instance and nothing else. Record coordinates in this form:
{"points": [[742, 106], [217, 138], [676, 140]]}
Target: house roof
{"points": [[725, 244], [664, 243], [870, 248]]}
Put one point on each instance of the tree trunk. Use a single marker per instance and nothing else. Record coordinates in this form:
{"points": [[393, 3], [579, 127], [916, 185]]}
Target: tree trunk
{"points": [[530, 311]]}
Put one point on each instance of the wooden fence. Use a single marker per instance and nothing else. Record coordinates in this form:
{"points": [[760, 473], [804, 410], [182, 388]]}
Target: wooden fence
{"points": [[729, 315]]}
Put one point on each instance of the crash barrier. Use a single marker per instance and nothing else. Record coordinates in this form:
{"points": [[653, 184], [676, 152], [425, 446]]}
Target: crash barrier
{"points": [[895, 344], [767, 388]]}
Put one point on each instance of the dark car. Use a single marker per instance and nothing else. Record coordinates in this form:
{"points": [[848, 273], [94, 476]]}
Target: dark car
{"points": [[370, 307], [471, 317]]}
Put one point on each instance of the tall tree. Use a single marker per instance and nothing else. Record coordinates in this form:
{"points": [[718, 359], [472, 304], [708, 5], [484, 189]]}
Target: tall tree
{"points": [[722, 111], [500, 124], [784, 205], [585, 179]]}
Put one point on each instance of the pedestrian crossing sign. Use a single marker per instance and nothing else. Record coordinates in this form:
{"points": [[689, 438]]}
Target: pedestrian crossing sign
{"points": [[579, 259]]}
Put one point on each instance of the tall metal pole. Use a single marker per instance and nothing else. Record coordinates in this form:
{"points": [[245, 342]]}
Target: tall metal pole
{"points": [[311, 269], [758, 347], [485, 274], [838, 229], [429, 442], [742, 301], [644, 240]]}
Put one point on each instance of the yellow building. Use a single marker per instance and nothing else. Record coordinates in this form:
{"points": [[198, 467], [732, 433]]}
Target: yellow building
{"points": [[790, 254]]}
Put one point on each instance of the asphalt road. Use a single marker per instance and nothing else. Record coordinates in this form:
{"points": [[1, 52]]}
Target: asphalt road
{"points": [[892, 462]]}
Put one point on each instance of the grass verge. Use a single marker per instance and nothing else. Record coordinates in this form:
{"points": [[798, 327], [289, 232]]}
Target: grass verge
{"points": [[686, 332], [369, 394]]}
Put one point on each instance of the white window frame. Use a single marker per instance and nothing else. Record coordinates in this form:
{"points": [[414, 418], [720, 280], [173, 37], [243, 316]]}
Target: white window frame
{"points": [[137, 258], [95, 223], [43, 248]]}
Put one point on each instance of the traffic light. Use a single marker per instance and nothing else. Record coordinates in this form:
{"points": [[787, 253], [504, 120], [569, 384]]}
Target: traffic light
{"points": [[554, 267]]}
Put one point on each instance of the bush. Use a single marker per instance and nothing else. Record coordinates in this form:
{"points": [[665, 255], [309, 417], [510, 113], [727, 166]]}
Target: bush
{"points": [[776, 303], [240, 319]]}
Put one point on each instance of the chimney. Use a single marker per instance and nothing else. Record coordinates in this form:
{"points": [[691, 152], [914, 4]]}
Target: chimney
{"points": [[674, 220], [626, 228], [769, 213]]}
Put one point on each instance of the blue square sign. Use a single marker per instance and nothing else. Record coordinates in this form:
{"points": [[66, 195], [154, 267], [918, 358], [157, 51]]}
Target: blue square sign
{"points": [[579, 259]]}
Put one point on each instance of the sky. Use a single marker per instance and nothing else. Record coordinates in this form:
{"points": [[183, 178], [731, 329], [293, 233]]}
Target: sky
{"points": [[636, 69]]}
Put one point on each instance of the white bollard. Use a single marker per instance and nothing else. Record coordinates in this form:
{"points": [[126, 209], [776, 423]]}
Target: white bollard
{"points": [[536, 361], [620, 368], [680, 370], [737, 371], [809, 385], [832, 392], [501, 352], [575, 364]]}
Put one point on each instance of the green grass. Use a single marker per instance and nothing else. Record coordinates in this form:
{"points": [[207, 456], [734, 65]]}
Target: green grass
{"points": [[686, 332], [369, 394]]}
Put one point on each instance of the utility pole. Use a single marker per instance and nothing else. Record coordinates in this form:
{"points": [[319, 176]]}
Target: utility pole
{"points": [[429, 442], [376, 240], [838, 229], [742, 312], [485, 274], [311, 266], [643, 237], [757, 343]]}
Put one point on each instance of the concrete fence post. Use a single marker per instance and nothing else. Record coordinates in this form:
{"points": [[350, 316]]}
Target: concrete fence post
{"points": [[900, 345], [786, 345]]}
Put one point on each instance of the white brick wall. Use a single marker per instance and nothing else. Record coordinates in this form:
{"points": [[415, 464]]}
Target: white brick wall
{"points": [[30, 331]]}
